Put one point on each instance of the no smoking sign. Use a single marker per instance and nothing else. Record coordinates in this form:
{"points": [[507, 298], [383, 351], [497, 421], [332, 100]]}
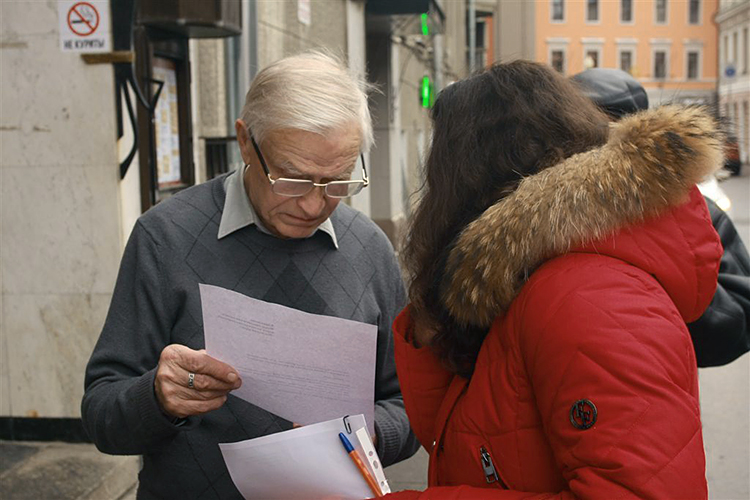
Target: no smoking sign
{"points": [[84, 26], [83, 19]]}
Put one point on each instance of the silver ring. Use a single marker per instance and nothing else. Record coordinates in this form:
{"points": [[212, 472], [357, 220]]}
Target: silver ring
{"points": [[191, 380]]}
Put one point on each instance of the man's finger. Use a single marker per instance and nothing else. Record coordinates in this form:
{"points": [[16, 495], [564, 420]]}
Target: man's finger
{"points": [[202, 382], [200, 362]]}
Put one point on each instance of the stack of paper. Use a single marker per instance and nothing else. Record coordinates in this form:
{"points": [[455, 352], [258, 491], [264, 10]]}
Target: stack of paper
{"points": [[305, 463]]}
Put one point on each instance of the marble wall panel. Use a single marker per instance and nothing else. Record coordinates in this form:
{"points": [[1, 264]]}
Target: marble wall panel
{"points": [[56, 110], [4, 372], [4, 378], [50, 339], [60, 230], [23, 18]]}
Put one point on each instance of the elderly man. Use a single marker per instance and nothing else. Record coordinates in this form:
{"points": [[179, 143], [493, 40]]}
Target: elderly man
{"points": [[274, 230]]}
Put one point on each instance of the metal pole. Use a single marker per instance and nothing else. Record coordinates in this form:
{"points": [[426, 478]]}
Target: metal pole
{"points": [[472, 35], [251, 42], [437, 54]]}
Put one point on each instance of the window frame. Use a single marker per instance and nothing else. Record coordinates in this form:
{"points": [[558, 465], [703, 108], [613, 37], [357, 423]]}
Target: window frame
{"points": [[632, 13], [561, 44], [629, 50], [699, 64], [593, 50], [598, 19], [562, 51], [552, 12], [666, 13], [627, 45], [654, 51], [699, 22], [594, 44]]}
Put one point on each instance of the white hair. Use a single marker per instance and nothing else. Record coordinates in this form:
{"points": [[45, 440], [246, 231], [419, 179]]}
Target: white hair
{"points": [[313, 91]]}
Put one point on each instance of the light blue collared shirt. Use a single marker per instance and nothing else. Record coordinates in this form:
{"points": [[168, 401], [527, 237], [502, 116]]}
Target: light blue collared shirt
{"points": [[239, 212]]}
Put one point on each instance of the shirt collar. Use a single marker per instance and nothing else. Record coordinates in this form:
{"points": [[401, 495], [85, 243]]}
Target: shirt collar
{"points": [[239, 212]]}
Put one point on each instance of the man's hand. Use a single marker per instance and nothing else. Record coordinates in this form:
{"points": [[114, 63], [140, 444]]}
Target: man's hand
{"points": [[211, 382]]}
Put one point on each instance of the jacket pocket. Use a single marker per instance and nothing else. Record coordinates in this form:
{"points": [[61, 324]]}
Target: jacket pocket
{"points": [[489, 470]]}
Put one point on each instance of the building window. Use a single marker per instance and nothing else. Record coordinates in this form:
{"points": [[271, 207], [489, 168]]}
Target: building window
{"points": [[558, 10], [725, 57], [557, 53], [483, 32], [745, 50], [626, 11], [592, 10], [661, 11], [694, 12], [660, 64], [693, 67], [735, 60], [626, 60], [557, 60], [591, 59]]}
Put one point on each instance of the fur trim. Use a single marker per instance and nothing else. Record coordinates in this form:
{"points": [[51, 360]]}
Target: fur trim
{"points": [[650, 162]]}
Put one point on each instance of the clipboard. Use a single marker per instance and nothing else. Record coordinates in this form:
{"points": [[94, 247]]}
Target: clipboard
{"points": [[370, 455]]}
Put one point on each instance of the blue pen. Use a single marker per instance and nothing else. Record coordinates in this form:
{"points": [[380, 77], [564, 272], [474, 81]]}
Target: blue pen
{"points": [[361, 466]]}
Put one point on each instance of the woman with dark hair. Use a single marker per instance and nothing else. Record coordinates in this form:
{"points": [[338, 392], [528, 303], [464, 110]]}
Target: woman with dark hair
{"points": [[553, 263]]}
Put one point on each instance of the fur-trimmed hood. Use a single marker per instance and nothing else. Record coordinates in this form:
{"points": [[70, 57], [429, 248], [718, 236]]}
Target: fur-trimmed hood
{"points": [[650, 163]]}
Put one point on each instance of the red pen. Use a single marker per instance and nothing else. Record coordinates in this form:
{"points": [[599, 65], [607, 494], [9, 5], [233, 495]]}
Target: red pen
{"points": [[360, 465]]}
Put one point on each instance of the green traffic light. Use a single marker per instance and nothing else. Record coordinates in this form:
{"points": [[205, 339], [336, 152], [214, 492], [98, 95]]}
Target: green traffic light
{"points": [[425, 26]]}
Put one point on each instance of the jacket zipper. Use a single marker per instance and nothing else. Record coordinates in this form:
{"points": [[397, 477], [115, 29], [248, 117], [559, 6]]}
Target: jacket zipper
{"points": [[490, 474]]}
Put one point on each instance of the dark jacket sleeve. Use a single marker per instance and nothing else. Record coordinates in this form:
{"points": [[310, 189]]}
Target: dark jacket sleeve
{"points": [[722, 334], [119, 409], [396, 441]]}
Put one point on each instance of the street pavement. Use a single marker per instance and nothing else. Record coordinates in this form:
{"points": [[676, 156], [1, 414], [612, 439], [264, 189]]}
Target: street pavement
{"points": [[63, 471], [60, 471]]}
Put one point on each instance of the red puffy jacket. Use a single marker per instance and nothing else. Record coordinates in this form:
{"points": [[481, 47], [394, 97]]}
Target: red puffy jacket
{"points": [[587, 386]]}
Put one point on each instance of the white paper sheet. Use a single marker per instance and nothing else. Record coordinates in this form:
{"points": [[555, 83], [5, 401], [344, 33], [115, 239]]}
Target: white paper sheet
{"points": [[304, 367], [305, 463]]}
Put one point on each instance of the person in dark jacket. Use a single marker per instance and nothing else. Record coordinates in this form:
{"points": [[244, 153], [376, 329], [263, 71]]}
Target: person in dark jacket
{"points": [[722, 333]]}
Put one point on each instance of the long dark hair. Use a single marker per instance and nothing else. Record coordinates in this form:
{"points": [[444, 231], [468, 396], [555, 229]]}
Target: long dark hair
{"points": [[489, 131]]}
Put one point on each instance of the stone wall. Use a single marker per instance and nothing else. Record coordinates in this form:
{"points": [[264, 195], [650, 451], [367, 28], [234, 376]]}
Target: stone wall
{"points": [[60, 235], [280, 33]]}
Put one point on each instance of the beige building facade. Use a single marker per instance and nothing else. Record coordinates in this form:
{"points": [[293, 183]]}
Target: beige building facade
{"points": [[668, 45], [733, 20]]}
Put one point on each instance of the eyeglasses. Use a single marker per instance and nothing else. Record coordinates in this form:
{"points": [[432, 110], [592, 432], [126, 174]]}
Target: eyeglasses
{"points": [[300, 187]]}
